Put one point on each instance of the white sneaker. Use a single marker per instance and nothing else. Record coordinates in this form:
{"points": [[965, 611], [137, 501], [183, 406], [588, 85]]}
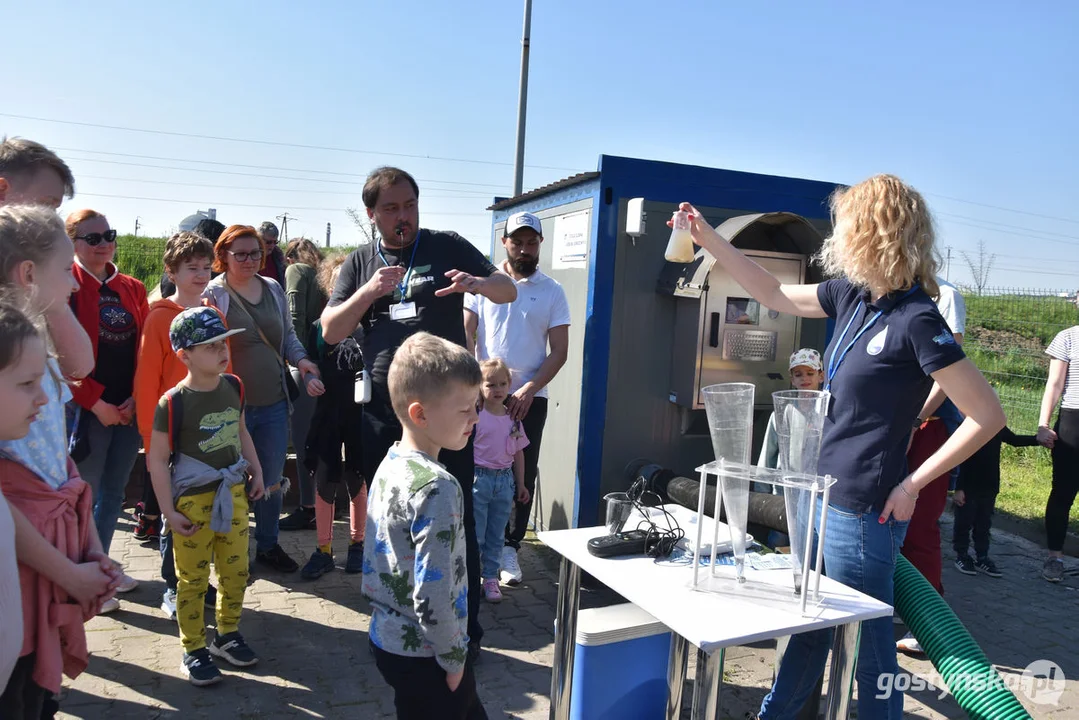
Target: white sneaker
{"points": [[511, 569], [909, 645], [127, 584], [111, 605], [168, 604]]}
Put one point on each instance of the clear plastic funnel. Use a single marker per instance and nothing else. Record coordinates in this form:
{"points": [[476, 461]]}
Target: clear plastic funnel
{"points": [[729, 408], [799, 424]]}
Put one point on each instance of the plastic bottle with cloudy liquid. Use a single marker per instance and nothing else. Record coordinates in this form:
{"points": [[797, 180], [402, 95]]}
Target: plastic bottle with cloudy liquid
{"points": [[680, 246]]}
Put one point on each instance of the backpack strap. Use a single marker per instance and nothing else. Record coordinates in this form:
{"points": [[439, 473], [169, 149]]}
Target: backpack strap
{"points": [[237, 385], [174, 398]]}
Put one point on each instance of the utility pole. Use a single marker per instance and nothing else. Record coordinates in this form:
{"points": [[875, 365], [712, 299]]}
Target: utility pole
{"points": [[948, 266], [284, 218], [137, 226], [327, 236], [522, 104]]}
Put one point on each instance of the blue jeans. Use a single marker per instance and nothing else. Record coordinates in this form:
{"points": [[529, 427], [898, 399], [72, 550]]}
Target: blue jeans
{"points": [[860, 553], [113, 451], [269, 428], [492, 502]]}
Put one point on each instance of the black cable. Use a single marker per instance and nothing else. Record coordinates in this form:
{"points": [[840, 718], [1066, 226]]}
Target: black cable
{"points": [[659, 542]]}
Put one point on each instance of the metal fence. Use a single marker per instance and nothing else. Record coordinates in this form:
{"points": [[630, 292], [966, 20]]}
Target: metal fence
{"points": [[1008, 330]]}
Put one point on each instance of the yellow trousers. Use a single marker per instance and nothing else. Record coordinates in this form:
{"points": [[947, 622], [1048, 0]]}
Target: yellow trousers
{"points": [[193, 555]]}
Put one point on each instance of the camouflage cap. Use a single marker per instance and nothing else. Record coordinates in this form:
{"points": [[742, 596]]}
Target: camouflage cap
{"points": [[198, 326]]}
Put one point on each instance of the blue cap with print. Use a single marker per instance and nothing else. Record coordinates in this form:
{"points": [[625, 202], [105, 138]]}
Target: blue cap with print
{"points": [[198, 326]]}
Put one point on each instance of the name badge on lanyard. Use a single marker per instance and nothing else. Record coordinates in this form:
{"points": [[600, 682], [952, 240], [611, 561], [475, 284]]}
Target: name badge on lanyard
{"points": [[404, 310]]}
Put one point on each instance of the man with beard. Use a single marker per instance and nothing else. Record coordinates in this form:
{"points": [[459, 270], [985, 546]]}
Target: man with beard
{"points": [[410, 280], [520, 333]]}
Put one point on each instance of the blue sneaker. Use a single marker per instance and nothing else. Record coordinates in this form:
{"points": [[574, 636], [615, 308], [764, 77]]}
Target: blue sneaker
{"points": [[198, 667], [354, 564], [319, 564]]}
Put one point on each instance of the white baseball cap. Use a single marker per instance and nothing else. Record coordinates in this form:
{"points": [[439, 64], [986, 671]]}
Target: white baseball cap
{"points": [[523, 219], [808, 357]]}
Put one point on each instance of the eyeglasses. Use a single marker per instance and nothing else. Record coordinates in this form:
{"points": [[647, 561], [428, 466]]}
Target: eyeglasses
{"points": [[95, 239], [255, 255]]}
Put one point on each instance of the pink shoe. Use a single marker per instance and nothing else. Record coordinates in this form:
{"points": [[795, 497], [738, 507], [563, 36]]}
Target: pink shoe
{"points": [[491, 591]]}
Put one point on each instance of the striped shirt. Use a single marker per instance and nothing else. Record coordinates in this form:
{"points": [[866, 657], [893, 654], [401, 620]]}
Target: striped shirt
{"points": [[1064, 347]]}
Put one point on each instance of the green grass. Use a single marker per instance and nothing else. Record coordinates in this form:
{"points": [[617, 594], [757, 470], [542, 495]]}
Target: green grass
{"points": [[1006, 338]]}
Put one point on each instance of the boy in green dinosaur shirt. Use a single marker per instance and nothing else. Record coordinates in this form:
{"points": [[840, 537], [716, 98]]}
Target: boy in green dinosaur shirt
{"points": [[414, 560]]}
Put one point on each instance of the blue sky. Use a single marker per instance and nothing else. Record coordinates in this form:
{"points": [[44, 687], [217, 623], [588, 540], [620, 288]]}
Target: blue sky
{"points": [[973, 103]]}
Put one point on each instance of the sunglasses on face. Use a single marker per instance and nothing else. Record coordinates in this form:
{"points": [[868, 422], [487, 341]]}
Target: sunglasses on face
{"points": [[95, 239], [255, 255]]}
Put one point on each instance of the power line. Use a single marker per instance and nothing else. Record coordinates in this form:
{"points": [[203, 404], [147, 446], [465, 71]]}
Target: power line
{"points": [[259, 175], [274, 143], [478, 197], [1005, 209], [360, 176], [254, 205], [1013, 227], [1011, 233]]}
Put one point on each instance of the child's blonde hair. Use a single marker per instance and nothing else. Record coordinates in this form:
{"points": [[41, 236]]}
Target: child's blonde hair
{"points": [[495, 365], [28, 233], [424, 369]]}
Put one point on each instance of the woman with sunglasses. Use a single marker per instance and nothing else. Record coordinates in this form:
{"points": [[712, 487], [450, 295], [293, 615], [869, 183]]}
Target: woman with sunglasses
{"points": [[112, 308], [258, 304]]}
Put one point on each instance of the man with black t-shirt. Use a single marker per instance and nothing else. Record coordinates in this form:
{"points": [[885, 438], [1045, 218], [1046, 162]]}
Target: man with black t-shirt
{"points": [[412, 280]]}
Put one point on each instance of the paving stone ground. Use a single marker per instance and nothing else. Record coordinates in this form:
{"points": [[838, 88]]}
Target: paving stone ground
{"points": [[312, 639]]}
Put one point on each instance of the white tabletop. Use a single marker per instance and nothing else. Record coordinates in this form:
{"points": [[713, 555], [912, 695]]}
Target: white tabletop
{"points": [[719, 613]]}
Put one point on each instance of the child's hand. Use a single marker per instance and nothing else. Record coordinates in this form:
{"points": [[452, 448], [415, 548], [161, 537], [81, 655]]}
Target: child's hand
{"points": [[453, 680], [522, 494], [179, 524], [257, 489], [960, 498]]}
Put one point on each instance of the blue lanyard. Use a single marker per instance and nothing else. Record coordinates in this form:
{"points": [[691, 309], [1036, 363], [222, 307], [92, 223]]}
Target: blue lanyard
{"points": [[408, 273], [833, 363]]}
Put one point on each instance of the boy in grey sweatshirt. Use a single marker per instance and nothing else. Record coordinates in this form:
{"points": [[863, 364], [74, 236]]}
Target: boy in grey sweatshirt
{"points": [[414, 561]]}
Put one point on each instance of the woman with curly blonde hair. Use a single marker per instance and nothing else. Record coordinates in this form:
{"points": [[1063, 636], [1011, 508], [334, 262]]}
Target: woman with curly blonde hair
{"points": [[890, 344]]}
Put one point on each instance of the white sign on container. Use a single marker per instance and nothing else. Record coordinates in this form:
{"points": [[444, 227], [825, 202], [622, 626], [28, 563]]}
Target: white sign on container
{"points": [[571, 240]]}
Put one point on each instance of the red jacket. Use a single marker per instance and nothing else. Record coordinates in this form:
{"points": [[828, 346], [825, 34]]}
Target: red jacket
{"points": [[85, 304], [52, 620]]}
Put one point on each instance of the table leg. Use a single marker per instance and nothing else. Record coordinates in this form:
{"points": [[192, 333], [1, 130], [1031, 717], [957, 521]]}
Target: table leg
{"points": [[707, 685], [565, 638], [676, 675], [841, 671]]}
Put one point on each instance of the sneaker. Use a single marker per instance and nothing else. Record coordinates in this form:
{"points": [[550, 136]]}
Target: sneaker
{"points": [[146, 528], [988, 567], [111, 605], [511, 569], [491, 591], [299, 519], [909, 645], [127, 584], [354, 564], [168, 604], [209, 600], [965, 564], [319, 564], [199, 668], [1053, 570], [277, 559], [234, 650]]}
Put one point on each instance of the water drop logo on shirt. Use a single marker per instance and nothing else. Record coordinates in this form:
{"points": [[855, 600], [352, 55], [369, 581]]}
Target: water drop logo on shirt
{"points": [[876, 343]]}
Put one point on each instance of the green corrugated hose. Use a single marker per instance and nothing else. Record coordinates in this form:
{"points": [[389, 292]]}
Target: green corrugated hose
{"points": [[973, 681]]}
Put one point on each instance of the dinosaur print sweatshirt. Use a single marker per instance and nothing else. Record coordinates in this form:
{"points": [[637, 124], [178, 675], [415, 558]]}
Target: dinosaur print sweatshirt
{"points": [[414, 560]]}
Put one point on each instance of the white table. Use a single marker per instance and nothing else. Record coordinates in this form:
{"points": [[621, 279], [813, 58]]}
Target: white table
{"points": [[720, 614]]}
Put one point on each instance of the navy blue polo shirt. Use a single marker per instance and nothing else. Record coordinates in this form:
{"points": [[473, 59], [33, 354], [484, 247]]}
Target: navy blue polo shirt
{"points": [[878, 388]]}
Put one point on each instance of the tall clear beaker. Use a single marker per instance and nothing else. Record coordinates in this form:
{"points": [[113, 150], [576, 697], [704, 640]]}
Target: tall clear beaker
{"points": [[800, 418], [729, 408]]}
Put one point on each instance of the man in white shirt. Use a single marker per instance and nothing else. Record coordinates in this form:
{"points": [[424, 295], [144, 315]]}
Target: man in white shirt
{"points": [[531, 335]]}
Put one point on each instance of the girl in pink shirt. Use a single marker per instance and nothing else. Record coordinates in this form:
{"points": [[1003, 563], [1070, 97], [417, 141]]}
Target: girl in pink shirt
{"points": [[500, 478]]}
